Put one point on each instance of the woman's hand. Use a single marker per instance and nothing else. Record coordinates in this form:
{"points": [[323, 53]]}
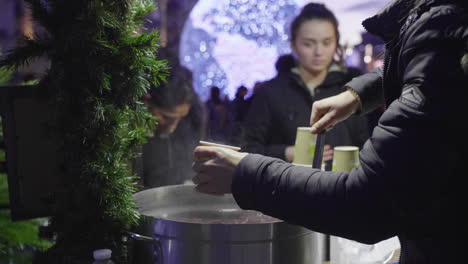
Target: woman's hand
{"points": [[214, 167], [327, 112]]}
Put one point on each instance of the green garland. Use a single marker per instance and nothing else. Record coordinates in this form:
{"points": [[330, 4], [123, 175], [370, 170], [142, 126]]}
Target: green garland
{"points": [[100, 68], [16, 235], [5, 75]]}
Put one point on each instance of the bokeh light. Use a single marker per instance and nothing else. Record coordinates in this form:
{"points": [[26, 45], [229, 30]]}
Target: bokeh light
{"points": [[229, 43]]}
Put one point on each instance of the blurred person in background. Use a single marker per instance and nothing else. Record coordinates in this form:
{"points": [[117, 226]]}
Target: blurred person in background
{"points": [[238, 108], [255, 89], [219, 117], [167, 156], [409, 182], [284, 103], [285, 63]]}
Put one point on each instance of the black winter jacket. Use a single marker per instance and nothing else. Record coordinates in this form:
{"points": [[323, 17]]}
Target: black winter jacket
{"points": [[284, 103], [411, 182], [167, 160]]}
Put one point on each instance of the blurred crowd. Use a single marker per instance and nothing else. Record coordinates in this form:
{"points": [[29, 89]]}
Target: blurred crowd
{"points": [[262, 119]]}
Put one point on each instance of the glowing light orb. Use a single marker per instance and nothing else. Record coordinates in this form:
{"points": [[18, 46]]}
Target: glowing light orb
{"points": [[229, 43]]}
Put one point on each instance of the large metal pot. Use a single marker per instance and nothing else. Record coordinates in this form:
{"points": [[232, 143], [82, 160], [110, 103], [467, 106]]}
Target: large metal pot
{"points": [[193, 228]]}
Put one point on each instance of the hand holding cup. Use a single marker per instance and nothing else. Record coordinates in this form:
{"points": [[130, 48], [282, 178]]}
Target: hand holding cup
{"points": [[214, 166]]}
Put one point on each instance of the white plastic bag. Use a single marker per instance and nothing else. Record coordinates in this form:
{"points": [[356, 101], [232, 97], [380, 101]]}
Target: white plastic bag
{"points": [[344, 251]]}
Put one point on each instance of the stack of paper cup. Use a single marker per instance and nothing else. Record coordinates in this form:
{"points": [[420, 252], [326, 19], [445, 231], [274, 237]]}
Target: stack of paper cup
{"points": [[304, 148], [345, 158]]}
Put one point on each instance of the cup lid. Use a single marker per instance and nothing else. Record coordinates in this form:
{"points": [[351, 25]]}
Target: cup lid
{"points": [[305, 129], [346, 148]]}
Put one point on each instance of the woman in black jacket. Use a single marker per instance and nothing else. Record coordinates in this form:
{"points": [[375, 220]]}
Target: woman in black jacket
{"points": [[284, 103], [411, 179]]}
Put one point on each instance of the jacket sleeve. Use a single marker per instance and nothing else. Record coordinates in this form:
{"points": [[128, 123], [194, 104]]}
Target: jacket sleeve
{"points": [[360, 130], [257, 126], [337, 203], [369, 88]]}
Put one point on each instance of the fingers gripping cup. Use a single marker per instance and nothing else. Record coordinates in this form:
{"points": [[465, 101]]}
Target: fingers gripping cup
{"points": [[345, 158], [211, 144], [304, 147]]}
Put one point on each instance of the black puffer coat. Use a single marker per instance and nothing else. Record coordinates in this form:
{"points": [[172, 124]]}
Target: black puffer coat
{"points": [[168, 160], [411, 182]]}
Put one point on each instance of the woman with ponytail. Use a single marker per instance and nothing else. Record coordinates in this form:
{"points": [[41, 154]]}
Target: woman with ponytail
{"points": [[285, 102]]}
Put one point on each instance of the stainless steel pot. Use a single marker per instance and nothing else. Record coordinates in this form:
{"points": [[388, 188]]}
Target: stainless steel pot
{"points": [[192, 227]]}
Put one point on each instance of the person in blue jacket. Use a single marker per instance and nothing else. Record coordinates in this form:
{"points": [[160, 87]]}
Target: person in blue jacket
{"points": [[410, 182]]}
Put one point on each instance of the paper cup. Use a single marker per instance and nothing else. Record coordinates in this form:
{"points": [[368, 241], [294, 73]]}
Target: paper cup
{"points": [[211, 144], [304, 148], [345, 158]]}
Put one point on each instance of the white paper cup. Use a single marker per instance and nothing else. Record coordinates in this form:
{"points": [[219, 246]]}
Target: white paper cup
{"points": [[304, 148], [211, 144], [345, 158]]}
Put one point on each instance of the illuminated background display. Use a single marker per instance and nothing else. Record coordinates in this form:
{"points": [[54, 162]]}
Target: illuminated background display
{"points": [[228, 43]]}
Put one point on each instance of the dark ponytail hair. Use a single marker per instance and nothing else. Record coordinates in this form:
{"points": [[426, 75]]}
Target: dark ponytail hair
{"points": [[317, 11], [176, 91]]}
